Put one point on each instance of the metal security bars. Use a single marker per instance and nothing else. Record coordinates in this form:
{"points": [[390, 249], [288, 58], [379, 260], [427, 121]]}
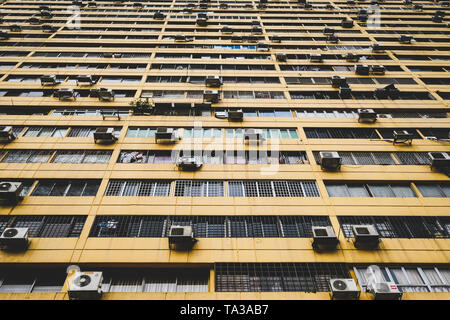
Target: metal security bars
{"points": [[266, 188], [46, 226], [198, 188], [208, 226], [370, 189], [58, 156], [340, 133], [277, 277], [400, 227], [66, 188], [147, 188], [381, 158]]}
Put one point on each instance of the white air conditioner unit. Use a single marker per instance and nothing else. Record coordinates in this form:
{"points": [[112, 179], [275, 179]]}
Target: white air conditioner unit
{"points": [[384, 291], [330, 160], [378, 70], [262, 46], [104, 134], [188, 163], [344, 289], [105, 94], [6, 134], [85, 80], [48, 80], [181, 235], [366, 236], [439, 160], [315, 57], [65, 94], [86, 286], [10, 192], [367, 115], [324, 238], [14, 238]]}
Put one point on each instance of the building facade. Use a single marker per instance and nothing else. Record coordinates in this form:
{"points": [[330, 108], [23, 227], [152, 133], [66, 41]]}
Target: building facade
{"points": [[254, 123]]}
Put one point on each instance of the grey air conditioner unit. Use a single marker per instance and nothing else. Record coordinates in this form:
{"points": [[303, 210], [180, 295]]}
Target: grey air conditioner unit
{"points": [[308, 5], [188, 163], [49, 80], [378, 70], [237, 39], [281, 57], [92, 4], [48, 28], [256, 30], [330, 160], [212, 96], [181, 235], [344, 289], [440, 160], [105, 135], [180, 38], [165, 134], [338, 81], [221, 114], [377, 48], [202, 22], [406, 39], [65, 94], [235, 115], [403, 137], [347, 24], [6, 134], [227, 30], [158, 15], [362, 70], [254, 135], [4, 35], [445, 3], [105, 94], [262, 46], [85, 80], [203, 5], [367, 115], [315, 57], [138, 5], [418, 7], [437, 19], [15, 28], [223, 6], [324, 238], [45, 14], [34, 21], [332, 38], [44, 7], [366, 236], [86, 286], [381, 93], [345, 92], [363, 17], [14, 238], [213, 81], [276, 39], [384, 291], [77, 3], [10, 192], [328, 31]]}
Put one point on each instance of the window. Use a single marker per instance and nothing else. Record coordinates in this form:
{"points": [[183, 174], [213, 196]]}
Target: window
{"points": [[64, 188], [437, 190], [138, 188], [198, 188], [354, 189], [262, 188], [25, 280], [82, 156], [45, 132]]}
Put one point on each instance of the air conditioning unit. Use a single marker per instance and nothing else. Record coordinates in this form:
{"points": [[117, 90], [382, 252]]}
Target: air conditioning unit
{"points": [[362, 70], [202, 22], [158, 15], [402, 136], [367, 115], [227, 30], [14, 238], [180, 38], [324, 238], [235, 115], [252, 38], [338, 81], [212, 96], [366, 236], [439, 160], [166, 134], [213, 81], [49, 80], [276, 39], [418, 7], [48, 28], [253, 135], [223, 6], [362, 17], [332, 38], [188, 163], [4, 35], [237, 39], [15, 28], [203, 5], [330, 160], [328, 31], [407, 2], [406, 39], [46, 14], [77, 3], [378, 70], [377, 48], [34, 21], [437, 19], [138, 5], [104, 134], [315, 57], [256, 30], [221, 114], [308, 5], [65, 94], [6, 134], [86, 286], [181, 235], [85, 80], [347, 24], [345, 92], [92, 4], [344, 289], [384, 291], [105, 94], [282, 57], [262, 46]]}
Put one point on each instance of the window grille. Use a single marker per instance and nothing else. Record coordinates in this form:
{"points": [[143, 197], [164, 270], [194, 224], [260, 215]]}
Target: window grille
{"points": [[281, 277], [199, 188], [283, 188], [26, 280], [397, 190], [63, 188], [340, 133], [138, 188]]}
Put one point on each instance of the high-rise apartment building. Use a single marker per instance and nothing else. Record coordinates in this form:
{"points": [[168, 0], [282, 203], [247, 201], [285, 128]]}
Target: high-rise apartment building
{"points": [[244, 149]]}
